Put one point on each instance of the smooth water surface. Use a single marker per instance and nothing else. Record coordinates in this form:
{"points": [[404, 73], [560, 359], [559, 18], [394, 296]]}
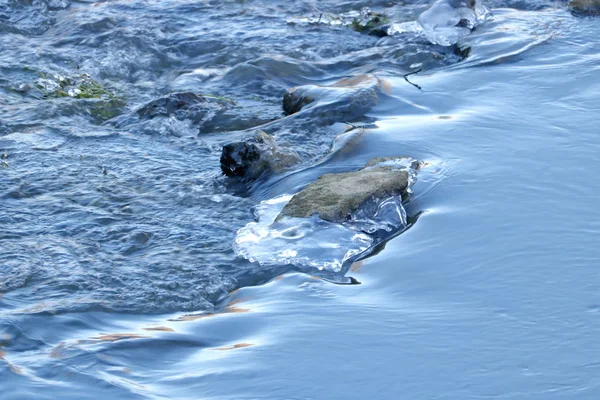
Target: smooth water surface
{"points": [[118, 275]]}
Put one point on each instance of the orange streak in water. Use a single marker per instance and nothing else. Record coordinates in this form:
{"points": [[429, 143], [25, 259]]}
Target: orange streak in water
{"points": [[119, 336], [235, 346], [356, 266], [159, 329], [12, 367]]}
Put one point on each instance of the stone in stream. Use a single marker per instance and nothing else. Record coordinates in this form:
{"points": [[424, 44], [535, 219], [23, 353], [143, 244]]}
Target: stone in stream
{"points": [[184, 105], [333, 221], [371, 23], [346, 100], [211, 113], [238, 118], [585, 7], [252, 158], [335, 197], [89, 96], [261, 154]]}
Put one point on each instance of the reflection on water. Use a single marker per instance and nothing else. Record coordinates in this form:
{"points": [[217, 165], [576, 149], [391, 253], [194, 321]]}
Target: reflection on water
{"points": [[230, 308], [115, 337], [159, 329], [235, 346]]}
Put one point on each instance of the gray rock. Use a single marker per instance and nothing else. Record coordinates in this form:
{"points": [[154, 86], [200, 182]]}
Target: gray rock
{"points": [[185, 105], [346, 100], [238, 118], [211, 113], [252, 158], [295, 99], [585, 7], [334, 197]]}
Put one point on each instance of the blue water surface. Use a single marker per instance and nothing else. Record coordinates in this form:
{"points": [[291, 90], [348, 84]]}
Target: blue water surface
{"points": [[118, 276]]}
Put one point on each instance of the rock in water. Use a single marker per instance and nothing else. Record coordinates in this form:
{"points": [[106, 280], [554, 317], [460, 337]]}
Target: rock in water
{"points": [[210, 113], [585, 7], [448, 21], [332, 222], [185, 105], [345, 100], [335, 197], [295, 99], [254, 157]]}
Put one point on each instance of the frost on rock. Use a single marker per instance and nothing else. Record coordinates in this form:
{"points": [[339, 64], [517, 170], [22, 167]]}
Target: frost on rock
{"points": [[448, 21]]}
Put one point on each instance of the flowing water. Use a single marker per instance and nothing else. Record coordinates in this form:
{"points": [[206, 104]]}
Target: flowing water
{"points": [[119, 275]]}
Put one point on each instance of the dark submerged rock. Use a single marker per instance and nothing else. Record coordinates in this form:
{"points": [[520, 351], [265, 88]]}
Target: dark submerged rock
{"points": [[237, 158], [585, 7], [211, 113], [294, 102], [236, 119], [334, 197], [346, 100], [185, 105], [372, 23], [380, 30], [252, 158]]}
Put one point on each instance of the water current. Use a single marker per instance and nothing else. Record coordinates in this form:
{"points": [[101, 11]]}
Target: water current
{"points": [[131, 267]]}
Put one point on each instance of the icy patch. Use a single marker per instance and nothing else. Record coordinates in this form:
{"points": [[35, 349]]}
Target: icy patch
{"points": [[513, 32], [359, 20], [410, 165], [169, 126], [404, 27], [448, 21], [303, 242], [444, 23]]}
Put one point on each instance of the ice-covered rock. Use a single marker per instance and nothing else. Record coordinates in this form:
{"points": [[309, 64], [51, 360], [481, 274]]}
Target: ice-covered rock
{"points": [[332, 221], [448, 21]]}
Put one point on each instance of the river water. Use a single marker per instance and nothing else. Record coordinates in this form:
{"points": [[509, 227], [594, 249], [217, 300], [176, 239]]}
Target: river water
{"points": [[118, 275]]}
